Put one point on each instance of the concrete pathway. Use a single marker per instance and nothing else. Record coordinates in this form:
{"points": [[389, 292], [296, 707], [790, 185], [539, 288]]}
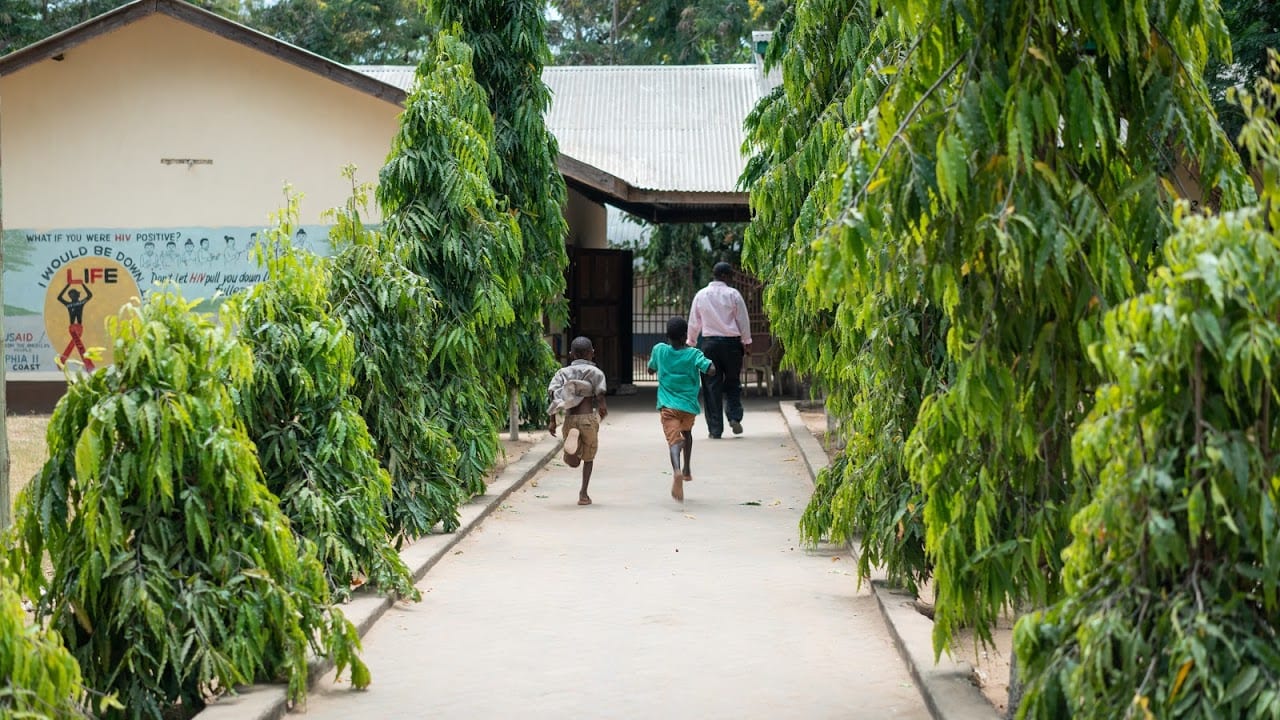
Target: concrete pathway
{"points": [[639, 606]]}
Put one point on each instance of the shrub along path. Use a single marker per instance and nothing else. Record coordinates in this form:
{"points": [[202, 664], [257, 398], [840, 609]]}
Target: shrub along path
{"points": [[638, 606]]}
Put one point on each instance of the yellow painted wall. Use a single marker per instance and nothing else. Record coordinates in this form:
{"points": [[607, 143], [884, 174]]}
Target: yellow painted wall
{"points": [[588, 221], [83, 138]]}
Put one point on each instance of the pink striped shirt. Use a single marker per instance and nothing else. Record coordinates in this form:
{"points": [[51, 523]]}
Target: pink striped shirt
{"points": [[719, 311]]}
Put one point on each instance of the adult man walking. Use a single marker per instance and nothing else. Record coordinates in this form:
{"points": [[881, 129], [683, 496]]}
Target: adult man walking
{"points": [[719, 314]]}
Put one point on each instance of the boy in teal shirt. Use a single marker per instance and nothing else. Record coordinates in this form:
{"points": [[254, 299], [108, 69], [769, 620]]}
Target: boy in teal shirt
{"points": [[679, 368]]}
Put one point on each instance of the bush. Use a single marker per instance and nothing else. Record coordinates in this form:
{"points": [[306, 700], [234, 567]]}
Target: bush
{"points": [[441, 212], [1172, 580], [42, 680], [314, 446], [175, 573], [391, 314]]}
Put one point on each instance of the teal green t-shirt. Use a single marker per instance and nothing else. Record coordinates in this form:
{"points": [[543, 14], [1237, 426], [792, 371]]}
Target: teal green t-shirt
{"points": [[679, 376]]}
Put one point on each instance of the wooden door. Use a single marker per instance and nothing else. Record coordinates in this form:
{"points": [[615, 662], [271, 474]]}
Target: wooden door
{"points": [[599, 292]]}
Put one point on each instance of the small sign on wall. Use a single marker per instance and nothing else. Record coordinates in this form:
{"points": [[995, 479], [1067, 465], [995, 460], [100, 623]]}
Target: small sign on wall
{"points": [[60, 286]]}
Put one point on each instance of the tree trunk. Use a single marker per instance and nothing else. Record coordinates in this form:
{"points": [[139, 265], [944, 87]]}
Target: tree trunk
{"points": [[514, 415], [4, 400], [1015, 686]]}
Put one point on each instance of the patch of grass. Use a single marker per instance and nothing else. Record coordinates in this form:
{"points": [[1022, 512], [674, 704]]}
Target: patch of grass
{"points": [[27, 449]]}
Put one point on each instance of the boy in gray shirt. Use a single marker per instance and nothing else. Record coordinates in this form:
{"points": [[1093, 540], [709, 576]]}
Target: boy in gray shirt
{"points": [[575, 389]]}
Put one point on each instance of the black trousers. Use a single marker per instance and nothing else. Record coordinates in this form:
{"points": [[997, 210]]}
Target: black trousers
{"points": [[722, 392]]}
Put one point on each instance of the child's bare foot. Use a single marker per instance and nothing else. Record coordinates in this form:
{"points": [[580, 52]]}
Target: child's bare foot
{"points": [[677, 487], [572, 460], [583, 499], [688, 477]]}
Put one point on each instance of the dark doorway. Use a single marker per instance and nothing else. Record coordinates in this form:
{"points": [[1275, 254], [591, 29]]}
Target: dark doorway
{"points": [[599, 290]]}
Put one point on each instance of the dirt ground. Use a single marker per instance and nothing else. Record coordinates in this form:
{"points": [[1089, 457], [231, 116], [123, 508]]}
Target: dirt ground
{"points": [[27, 449], [513, 450], [991, 664]]}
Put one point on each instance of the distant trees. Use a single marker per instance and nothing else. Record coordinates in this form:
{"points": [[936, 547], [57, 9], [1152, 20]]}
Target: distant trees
{"points": [[509, 38], [1254, 26], [352, 32], [653, 32]]}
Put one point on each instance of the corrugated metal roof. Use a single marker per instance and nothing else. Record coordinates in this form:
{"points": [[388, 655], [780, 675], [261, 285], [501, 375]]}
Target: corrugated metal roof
{"points": [[658, 127], [400, 76]]}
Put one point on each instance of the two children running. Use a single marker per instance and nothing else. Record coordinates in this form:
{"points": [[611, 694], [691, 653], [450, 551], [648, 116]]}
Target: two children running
{"points": [[575, 388]]}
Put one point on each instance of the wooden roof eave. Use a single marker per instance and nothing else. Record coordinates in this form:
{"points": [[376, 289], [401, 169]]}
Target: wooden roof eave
{"points": [[659, 206]]}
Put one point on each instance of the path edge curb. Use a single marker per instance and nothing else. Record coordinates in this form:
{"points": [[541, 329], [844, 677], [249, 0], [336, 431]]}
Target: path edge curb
{"points": [[270, 701], [945, 685]]}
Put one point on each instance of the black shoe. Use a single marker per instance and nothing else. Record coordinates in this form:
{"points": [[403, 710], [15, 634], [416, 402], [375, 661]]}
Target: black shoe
{"points": [[715, 437], [737, 427]]}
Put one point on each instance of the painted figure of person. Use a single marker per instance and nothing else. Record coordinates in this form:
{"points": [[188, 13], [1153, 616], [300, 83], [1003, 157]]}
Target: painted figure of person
{"points": [[71, 299], [169, 259], [204, 255]]}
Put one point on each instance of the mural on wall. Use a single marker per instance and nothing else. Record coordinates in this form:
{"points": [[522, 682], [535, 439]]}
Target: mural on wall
{"points": [[60, 286]]}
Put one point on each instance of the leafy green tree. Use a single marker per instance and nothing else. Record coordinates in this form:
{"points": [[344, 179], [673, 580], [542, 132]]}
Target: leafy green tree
{"points": [[19, 25], [658, 32], [439, 206], [174, 571], [352, 32], [873, 346], [1000, 192], [509, 42], [313, 445], [1019, 169], [391, 313], [1172, 580]]}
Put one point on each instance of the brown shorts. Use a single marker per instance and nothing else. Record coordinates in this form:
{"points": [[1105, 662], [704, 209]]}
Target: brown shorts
{"points": [[675, 423], [588, 425]]}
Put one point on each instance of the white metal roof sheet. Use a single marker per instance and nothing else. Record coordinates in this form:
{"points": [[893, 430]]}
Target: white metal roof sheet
{"points": [[658, 127]]}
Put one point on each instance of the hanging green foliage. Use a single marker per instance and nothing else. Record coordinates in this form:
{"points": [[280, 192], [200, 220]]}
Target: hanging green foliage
{"points": [[175, 574], [1014, 166], [391, 315], [858, 326], [42, 679], [313, 445], [1172, 606], [509, 41], [439, 206]]}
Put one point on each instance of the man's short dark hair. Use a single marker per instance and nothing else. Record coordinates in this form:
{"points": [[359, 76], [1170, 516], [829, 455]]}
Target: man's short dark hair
{"points": [[580, 346], [677, 329], [721, 270]]}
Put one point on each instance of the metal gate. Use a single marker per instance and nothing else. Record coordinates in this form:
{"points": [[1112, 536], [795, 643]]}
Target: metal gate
{"points": [[656, 298]]}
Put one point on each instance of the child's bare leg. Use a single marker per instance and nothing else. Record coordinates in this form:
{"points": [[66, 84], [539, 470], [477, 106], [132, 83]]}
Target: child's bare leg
{"points": [[677, 478], [688, 453], [583, 497]]}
